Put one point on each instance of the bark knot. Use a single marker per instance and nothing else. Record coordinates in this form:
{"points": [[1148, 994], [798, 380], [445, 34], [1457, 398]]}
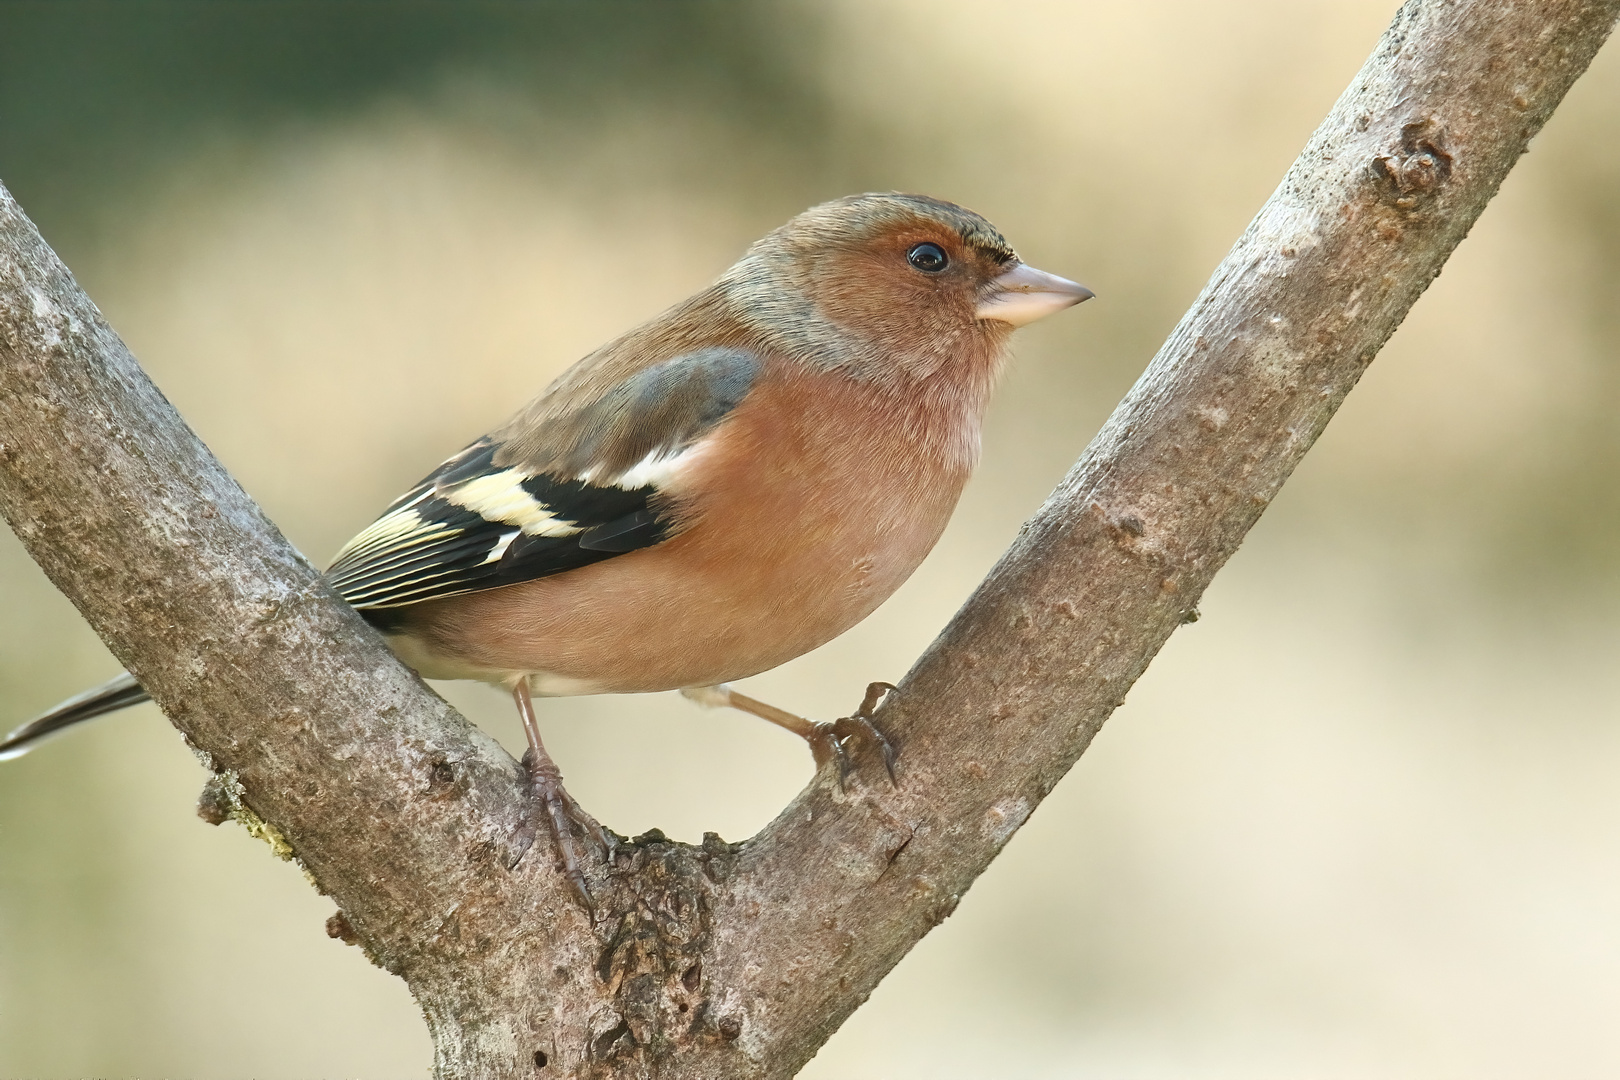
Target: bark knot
{"points": [[1418, 168], [653, 929]]}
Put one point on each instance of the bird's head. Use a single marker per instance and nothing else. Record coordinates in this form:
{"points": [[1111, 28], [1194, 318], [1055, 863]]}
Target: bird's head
{"points": [[891, 282]]}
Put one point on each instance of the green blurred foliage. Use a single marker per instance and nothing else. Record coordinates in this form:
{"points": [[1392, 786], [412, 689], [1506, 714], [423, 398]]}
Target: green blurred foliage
{"points": [[103, 95]]}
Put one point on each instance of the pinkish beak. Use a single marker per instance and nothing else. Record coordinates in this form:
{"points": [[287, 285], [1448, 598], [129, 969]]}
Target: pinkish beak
{"points": [[1023, 294]]}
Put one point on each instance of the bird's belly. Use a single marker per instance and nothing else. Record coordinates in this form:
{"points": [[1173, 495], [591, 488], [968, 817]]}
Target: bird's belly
{"points": [[701, 608]]}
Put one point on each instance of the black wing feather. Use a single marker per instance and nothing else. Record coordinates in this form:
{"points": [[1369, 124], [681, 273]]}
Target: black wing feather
{"points": [[428, 544]]}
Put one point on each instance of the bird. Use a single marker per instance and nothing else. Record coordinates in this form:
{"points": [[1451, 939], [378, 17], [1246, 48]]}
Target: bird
{"points": [[721, 489]]}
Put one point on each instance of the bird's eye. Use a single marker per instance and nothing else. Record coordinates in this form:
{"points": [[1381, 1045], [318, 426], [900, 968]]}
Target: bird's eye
{"points": [[929, 258]]}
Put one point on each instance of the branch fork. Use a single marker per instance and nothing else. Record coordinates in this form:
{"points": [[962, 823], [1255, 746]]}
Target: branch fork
{"points": [[739, 960]]}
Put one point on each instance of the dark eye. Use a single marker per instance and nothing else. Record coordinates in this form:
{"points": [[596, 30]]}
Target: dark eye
{"points": [[929, 258]]}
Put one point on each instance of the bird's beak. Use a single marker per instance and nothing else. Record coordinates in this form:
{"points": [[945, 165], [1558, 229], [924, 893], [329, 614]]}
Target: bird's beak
{"points": [[1024, 294]]}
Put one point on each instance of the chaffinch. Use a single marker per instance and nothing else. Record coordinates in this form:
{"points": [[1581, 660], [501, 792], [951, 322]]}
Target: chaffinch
{"points": [[722, 489]]}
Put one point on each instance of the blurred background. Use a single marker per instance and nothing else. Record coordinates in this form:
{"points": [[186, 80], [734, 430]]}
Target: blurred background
{"points": [[1362, 820]]}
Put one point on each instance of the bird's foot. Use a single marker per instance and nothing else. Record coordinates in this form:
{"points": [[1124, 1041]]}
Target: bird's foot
{"points": [[833, 741], [828, 741], [562, 814]]}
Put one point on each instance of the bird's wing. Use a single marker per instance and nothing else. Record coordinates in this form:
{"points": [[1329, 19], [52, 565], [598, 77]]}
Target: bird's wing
{"points": [[584, 488]]}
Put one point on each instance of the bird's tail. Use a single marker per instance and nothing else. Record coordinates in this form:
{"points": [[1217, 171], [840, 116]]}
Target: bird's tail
{"points": [[120, 693]]}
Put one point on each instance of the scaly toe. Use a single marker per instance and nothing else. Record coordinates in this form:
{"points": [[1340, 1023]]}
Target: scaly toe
{"points": [[826, 744], [876, 694], [562, 813]]}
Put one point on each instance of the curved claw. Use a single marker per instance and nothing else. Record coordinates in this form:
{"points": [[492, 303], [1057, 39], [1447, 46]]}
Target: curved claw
{"points": [[876, 694]]}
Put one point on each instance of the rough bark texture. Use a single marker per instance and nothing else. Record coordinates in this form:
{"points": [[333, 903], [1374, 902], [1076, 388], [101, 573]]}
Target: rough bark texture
{"points": [[740, 960]]}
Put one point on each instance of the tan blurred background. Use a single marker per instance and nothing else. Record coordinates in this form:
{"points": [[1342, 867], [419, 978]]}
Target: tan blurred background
{"points": [[1362, 820]]}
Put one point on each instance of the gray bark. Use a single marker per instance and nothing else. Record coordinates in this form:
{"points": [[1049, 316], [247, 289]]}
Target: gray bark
{"points": [[740, 960]]}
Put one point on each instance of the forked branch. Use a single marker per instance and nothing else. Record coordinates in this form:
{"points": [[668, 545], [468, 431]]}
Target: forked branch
{"points": [[740, 960]]}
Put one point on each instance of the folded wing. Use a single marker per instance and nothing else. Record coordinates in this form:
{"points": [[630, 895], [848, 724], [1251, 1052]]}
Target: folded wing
{"points": [[568, 491]]}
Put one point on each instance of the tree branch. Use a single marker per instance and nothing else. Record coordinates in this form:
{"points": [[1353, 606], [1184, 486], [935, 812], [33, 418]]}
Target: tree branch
{"points": [[740, 960]]}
